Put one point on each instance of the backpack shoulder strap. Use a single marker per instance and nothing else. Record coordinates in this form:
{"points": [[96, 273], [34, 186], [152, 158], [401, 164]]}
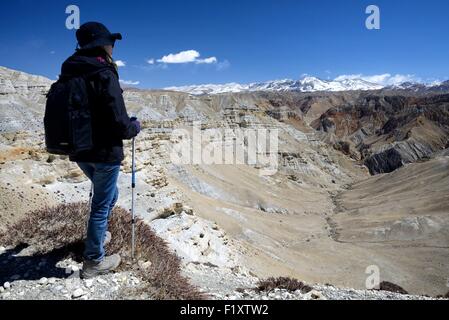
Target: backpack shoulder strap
{"points": [[86, 76]]}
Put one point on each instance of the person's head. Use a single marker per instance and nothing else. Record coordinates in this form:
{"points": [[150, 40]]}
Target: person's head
{"points": [[95, 35]]}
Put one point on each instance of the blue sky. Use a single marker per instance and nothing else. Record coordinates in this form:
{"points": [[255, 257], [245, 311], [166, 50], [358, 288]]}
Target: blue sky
{"points": [[238, 41]]}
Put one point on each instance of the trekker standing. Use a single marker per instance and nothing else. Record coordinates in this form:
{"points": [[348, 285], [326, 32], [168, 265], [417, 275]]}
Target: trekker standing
{"points": [[110, 126]]}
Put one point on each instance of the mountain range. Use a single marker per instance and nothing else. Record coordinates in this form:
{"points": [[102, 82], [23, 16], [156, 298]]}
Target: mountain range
{"points": [[307, 84]]}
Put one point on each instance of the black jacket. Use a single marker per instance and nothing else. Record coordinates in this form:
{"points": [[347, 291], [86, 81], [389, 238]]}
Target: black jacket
{"points": [[110, 121]]}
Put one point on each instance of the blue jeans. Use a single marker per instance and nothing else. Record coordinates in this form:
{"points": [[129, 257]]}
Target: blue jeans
{"points": [[105, 194]]}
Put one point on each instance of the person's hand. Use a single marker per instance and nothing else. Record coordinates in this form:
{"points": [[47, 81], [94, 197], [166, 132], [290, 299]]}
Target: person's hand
{"points": [[137, 124]]}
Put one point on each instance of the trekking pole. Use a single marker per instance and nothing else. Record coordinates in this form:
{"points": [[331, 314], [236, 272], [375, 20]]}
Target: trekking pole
{"points": [[133, 187], [91, 193]]}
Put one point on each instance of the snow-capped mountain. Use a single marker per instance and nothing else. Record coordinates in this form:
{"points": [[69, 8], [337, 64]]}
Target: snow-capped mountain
{"points": [[307, 84], [408, 86], [210, 88], [436, 86]]}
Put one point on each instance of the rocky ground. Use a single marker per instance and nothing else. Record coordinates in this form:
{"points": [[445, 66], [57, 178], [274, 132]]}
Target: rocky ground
{"points": [[61, 280], [218, 283]]}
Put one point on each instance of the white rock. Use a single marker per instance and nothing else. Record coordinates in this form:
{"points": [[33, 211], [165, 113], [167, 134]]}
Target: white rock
{"points": [[315, 295], [52, 281], [6, 285], [102, 281], [89, 283], [144, 265], [2, 250], [75, 269], [78, 293], [188, 210], [2, 289], [43, 280]]}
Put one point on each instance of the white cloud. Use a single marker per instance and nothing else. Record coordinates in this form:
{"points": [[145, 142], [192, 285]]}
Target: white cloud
{"points": [[130, 82], [401, 78], [181, 57], [120, 63], [189, 56], [151, 61], [385, 79], [207, 60]]}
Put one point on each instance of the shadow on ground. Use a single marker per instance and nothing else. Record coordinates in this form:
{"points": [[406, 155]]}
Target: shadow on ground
{"points": [[16, 265]]}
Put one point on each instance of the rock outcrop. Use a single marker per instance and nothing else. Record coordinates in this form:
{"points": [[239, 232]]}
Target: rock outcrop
{"points": [[389, 131]]}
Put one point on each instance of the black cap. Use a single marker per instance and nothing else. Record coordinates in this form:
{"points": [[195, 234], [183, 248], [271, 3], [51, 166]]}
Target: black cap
{"points": [[95, 34]]}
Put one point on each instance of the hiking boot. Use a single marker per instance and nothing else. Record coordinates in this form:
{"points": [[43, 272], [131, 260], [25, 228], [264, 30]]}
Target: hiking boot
{"points": [[107, 238], [92, 269]]}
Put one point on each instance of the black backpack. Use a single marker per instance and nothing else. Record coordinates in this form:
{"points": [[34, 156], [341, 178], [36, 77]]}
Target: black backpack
{"points": [[68, 116]]}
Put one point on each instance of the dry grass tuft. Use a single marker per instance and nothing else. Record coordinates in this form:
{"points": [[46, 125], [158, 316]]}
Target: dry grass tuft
{"points": [[283, 283], [48, 228], [64, 226]]}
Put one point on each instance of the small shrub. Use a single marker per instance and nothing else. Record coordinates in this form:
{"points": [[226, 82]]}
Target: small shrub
{"points": [[446, 296], [283, 283], [48, 228], [391, 287]]}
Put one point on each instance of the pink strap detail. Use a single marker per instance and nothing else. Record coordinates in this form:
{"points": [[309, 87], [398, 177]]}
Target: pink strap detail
{"points": [[101, 60]]}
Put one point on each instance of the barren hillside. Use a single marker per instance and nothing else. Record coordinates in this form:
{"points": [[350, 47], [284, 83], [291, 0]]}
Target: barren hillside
{"points": [[321, 217]]}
